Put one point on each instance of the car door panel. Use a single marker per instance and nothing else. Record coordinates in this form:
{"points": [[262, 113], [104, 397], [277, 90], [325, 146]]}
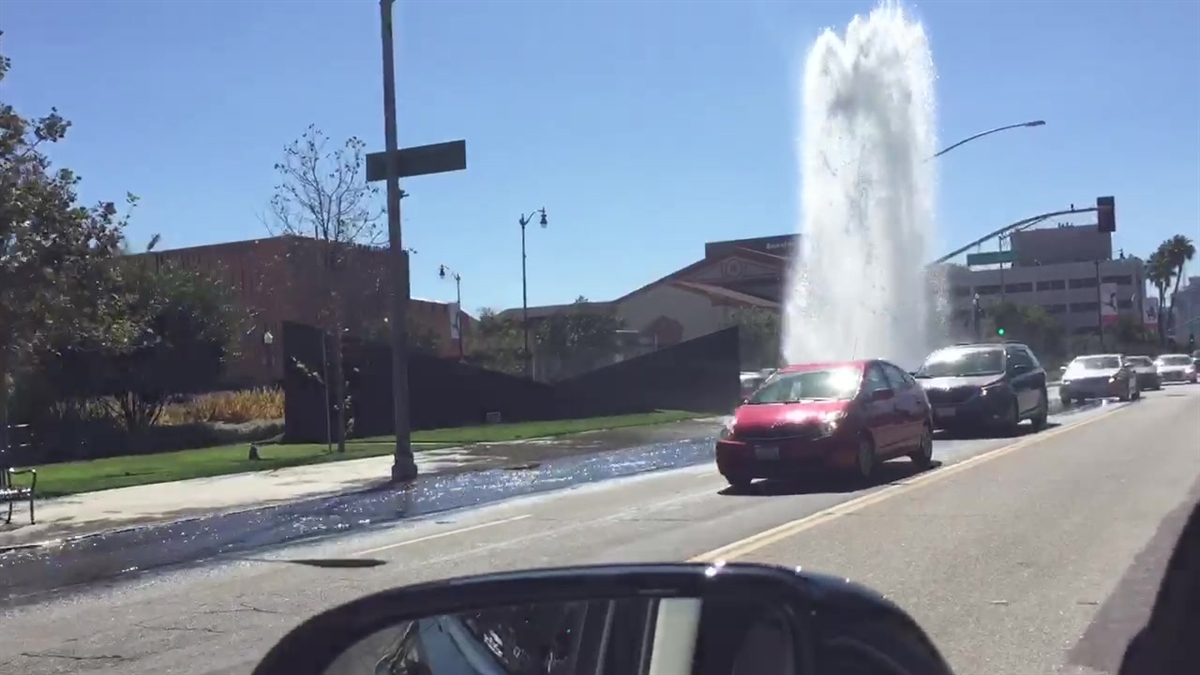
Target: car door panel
{"points": [[880, 413], [1025, 380], [911, 409]]}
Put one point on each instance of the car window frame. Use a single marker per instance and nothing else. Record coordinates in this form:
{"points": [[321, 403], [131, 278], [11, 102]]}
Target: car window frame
{"points": [[906, 382], [1013, 356], [867, 387]]}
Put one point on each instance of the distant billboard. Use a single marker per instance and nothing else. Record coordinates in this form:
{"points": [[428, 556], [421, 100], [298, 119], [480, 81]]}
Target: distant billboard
{"points": [[1150, 311], [1108, 304]]}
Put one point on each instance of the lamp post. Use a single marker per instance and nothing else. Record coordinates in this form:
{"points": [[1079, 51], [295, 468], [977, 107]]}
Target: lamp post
{"points": [[268, 344], [455, 320], [989, 132], [524, 221]]}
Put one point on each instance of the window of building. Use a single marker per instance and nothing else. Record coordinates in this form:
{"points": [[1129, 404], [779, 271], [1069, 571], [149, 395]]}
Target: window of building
{"points": [[1024, 287], [1083, 282], [1052, 285]]}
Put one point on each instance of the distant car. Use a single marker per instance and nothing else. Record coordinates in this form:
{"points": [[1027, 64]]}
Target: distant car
{"points": [[849, 415], [997, 385], [1098, 376], [1145, 371], [1176, 368]]}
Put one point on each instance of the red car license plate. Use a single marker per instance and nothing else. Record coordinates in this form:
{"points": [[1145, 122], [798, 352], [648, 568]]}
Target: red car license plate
{"points": [[766, 452]]}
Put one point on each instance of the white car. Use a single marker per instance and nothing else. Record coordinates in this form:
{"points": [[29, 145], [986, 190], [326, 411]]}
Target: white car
{"points": [[1176, 368], [1098, 376]]}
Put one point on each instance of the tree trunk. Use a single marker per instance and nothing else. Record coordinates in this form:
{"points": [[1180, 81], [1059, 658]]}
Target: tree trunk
{"points": [[325, 391], [339, 386]]}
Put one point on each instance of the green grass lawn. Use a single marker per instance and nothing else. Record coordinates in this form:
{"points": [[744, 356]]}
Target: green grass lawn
{"points": [[101, 474]]}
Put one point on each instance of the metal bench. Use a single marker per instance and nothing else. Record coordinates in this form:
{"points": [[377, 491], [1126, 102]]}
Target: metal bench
{"points": [[10, 491]]}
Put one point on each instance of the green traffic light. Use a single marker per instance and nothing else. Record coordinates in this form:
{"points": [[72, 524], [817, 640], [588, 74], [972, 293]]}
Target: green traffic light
{"points": [[999, 331]]}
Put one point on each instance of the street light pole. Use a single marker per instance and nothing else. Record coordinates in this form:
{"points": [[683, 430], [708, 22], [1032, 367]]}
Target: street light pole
{"points": [[444, 272], [989, 132], [404, 467], [524, 221]]}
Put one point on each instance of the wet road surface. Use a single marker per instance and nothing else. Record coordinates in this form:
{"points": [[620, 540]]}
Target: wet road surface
{"points": [[1008, 561], [28, 573]]}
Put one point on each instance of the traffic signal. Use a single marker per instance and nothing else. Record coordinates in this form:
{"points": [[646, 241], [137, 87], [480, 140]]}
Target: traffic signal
{"points": [[1000, 332], [1106, 214], [1192, 342]]}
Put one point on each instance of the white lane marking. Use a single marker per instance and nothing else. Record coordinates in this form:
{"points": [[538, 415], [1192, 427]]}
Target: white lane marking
{"points": [[440, 535]]}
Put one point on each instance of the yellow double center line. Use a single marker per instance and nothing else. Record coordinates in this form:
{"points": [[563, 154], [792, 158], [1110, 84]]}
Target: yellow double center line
{"points": [[774, 535]]}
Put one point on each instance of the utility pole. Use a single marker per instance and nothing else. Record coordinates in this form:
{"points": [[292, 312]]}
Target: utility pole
{"points": [[391, 165], [1099, 307], [404, 467]]}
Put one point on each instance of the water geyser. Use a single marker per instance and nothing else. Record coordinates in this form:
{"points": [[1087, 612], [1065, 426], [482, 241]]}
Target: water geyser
{"points": [[858, 283]]}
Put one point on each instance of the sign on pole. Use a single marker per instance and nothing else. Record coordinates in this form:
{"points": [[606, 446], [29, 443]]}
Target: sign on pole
{"points": [[421, 160], [991, 258]]}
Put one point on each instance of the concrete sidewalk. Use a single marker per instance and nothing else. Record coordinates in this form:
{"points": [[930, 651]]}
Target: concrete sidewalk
{"points": [[94, 512]]}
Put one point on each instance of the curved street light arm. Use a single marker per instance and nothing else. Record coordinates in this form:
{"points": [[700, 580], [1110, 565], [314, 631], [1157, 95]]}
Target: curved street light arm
{"points": [[989, 132]]}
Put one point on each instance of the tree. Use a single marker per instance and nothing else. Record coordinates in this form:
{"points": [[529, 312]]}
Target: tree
{"points": [[184, 327], [1029, 324], [1177, 251], [323, 194], [1131, 333], [581, 335], [1160, 271], [53, 252], [759, 331], [496, 343]]}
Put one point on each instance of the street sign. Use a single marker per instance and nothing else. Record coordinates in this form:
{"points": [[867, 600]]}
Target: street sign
{"points": [[991, 258], [421, 160]]}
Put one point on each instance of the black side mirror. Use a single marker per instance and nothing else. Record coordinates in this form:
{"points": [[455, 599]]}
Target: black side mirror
{"points": [[660, 618]]}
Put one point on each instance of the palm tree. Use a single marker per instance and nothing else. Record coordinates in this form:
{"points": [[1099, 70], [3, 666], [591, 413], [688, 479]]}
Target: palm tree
{"points": [[1179, 250], [1160, 272]]}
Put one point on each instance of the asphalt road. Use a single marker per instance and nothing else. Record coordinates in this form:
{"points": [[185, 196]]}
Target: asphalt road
{"points": [[1039, 557]]}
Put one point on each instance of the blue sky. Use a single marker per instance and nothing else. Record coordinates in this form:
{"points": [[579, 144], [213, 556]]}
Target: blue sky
{"points": [[644, 127]]}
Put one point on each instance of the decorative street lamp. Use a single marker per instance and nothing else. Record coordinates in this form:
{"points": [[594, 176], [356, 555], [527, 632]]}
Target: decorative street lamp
{"points": [[524, 221], [456, 319]]}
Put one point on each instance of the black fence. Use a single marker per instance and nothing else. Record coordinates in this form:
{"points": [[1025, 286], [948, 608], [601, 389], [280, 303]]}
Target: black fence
{"points": [[700, 375]]}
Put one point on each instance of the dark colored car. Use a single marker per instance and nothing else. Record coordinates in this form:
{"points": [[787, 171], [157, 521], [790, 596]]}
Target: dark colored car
{"points": [[850, 415], [992, 385], [1145, 371]]}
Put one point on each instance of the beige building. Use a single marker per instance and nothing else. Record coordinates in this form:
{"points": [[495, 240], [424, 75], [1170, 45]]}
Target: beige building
{"points": [[700, 298], [1067, 271]]}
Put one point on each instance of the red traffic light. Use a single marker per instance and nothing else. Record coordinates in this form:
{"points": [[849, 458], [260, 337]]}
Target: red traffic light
{"points": [[1106, 214]]}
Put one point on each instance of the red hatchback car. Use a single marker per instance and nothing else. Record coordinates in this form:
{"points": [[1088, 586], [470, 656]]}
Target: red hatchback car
{"points": [[851, 415]]}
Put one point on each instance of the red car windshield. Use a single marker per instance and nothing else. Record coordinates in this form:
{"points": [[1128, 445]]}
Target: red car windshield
{"points": [[810, 385]]}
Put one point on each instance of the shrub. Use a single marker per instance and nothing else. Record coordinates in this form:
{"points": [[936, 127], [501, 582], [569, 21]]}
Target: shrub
{"points": [[228, 407]]}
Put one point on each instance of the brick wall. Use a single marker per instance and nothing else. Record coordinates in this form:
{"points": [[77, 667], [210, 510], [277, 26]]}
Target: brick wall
{"points": [[277, 279]]}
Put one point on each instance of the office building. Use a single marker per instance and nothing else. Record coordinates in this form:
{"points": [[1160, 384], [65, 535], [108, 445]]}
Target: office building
{"points": [[1068, 271]]}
